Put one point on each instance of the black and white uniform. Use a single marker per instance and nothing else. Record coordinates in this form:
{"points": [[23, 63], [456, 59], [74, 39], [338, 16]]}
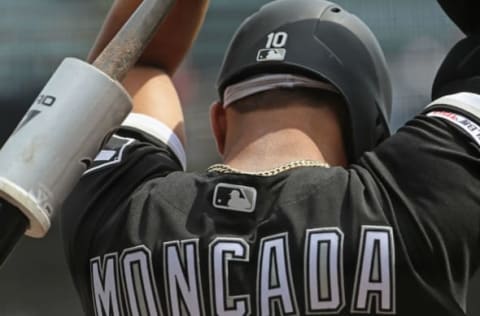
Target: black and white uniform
{"points": [[398, 233]]}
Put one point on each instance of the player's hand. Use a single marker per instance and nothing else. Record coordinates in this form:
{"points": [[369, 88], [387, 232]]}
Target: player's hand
{"points": [[460, 71], [173, 39], [464, 13]]}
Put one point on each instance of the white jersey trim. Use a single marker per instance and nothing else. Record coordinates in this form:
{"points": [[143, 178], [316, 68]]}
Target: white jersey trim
{"points": [[466, 101], [160, 131], [464, 123]]}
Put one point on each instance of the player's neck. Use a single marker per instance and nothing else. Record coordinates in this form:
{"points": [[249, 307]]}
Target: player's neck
{"points": [[272, 150], [268, 145]]}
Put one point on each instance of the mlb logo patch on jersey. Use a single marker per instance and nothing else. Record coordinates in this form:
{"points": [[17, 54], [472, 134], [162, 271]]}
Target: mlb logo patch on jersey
{"points": [[234, 197]]}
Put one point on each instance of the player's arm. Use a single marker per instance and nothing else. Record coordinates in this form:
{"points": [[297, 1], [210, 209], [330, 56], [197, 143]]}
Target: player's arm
{"points": [[428, 175], [150, 142], [146, 146], [149, 83]]}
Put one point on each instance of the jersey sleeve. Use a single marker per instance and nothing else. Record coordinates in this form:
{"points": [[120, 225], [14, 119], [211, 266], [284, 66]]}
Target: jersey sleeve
{"points": [[142, 149], [429, 176]]}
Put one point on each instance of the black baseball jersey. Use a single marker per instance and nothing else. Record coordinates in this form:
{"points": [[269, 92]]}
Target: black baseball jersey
{"points": [[395, 234]]}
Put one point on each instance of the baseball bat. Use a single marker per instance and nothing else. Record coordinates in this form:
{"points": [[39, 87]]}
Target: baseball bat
{"points": [[38, 167]]}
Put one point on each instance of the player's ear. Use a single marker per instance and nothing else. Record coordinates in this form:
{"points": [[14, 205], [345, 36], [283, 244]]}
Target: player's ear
{"points": [[218, 122]]}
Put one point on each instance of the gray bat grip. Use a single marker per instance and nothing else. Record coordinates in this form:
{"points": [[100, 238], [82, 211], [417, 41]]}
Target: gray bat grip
{"points": [[56, 140], [63, 130]]}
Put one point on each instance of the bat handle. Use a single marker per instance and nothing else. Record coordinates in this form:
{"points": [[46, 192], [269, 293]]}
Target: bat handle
{"points": [[128, 45], [12, 225]]}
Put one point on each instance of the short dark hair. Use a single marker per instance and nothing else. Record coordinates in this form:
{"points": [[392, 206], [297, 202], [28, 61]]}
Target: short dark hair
{"points": [[305, 96]]}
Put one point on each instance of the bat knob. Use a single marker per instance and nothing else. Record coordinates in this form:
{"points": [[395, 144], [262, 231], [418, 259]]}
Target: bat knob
{"points": [[12, 227]]}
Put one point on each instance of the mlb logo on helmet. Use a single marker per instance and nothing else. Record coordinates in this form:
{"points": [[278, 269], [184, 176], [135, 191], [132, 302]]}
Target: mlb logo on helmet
{"points": [[274, 48], [234, 197], [271, 54]]}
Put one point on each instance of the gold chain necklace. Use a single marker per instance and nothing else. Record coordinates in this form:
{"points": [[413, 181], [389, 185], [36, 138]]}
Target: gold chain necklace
{"points": [[271, 172]]}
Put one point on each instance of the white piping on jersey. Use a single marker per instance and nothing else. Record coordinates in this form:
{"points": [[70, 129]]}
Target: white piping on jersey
{"points": [[160, 131], [466, 101], [464, 123]]}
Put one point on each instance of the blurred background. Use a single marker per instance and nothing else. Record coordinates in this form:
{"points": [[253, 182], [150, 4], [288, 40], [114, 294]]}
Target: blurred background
{"points": [[36, 35]]}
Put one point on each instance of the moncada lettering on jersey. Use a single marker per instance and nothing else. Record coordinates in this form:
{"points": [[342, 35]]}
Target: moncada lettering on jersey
{"points": [[129, 277]]}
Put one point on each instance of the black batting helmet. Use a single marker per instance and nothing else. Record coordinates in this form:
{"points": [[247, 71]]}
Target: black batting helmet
{"points": [[320, 40]]}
